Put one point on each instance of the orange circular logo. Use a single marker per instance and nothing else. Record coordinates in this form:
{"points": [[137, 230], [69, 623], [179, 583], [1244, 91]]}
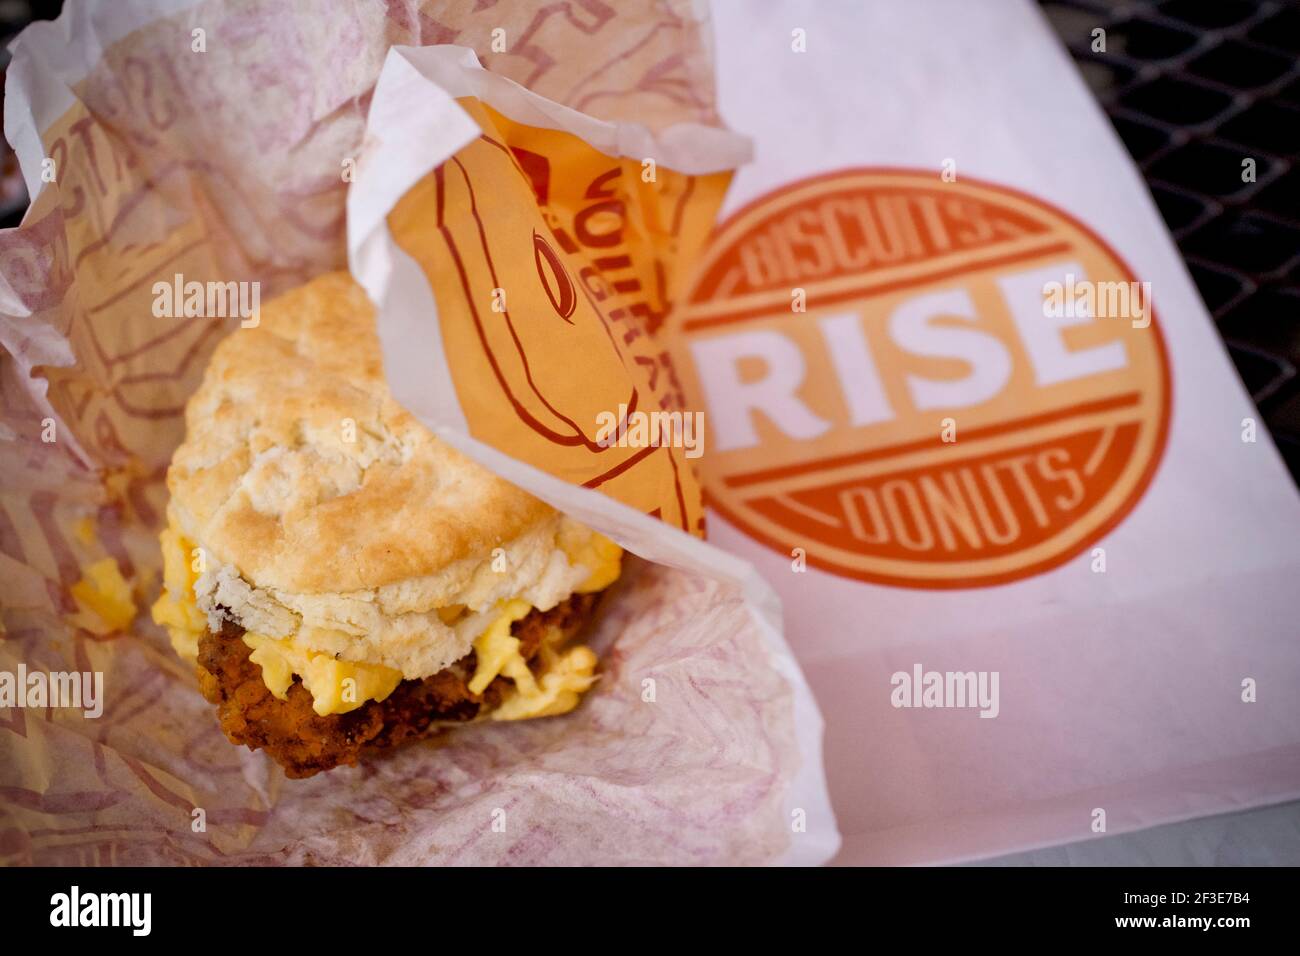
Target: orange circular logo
{"points": [[921, 383]]}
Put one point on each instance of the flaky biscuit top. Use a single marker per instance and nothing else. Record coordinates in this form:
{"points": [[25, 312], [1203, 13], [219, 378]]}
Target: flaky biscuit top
{"points": [[269, 481]]}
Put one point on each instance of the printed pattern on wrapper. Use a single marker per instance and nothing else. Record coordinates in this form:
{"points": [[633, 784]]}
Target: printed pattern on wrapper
{"points": [[586, 255]]}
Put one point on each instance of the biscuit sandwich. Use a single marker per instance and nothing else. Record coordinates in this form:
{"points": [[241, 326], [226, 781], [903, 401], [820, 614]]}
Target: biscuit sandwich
{"points": [[344, 581]]}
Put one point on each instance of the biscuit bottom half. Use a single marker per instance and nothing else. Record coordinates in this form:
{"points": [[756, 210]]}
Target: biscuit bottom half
{"points": [[305, 743]]}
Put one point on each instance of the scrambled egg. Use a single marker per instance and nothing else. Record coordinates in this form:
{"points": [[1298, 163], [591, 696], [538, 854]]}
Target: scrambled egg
{"points": [[595, 552], [336, 687], [565, 674], [176, 609], [104, 598], [340, 686]]}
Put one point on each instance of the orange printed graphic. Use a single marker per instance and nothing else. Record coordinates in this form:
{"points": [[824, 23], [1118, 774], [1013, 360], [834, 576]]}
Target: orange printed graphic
{"points": [[920, 383], [553, 265]]}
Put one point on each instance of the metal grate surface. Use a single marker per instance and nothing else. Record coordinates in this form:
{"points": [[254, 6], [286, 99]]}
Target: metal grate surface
{"points": [[1194, 87]]}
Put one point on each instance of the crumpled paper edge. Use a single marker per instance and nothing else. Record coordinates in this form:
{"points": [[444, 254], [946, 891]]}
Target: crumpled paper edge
{"points": [[38, 84]]}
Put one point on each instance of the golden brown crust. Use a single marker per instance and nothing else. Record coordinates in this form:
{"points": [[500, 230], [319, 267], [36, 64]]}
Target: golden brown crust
{"points": [[304, 743], [268, 481]]}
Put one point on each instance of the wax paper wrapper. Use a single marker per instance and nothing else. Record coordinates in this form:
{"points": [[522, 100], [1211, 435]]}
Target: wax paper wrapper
{"points": [[247, 141]]}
